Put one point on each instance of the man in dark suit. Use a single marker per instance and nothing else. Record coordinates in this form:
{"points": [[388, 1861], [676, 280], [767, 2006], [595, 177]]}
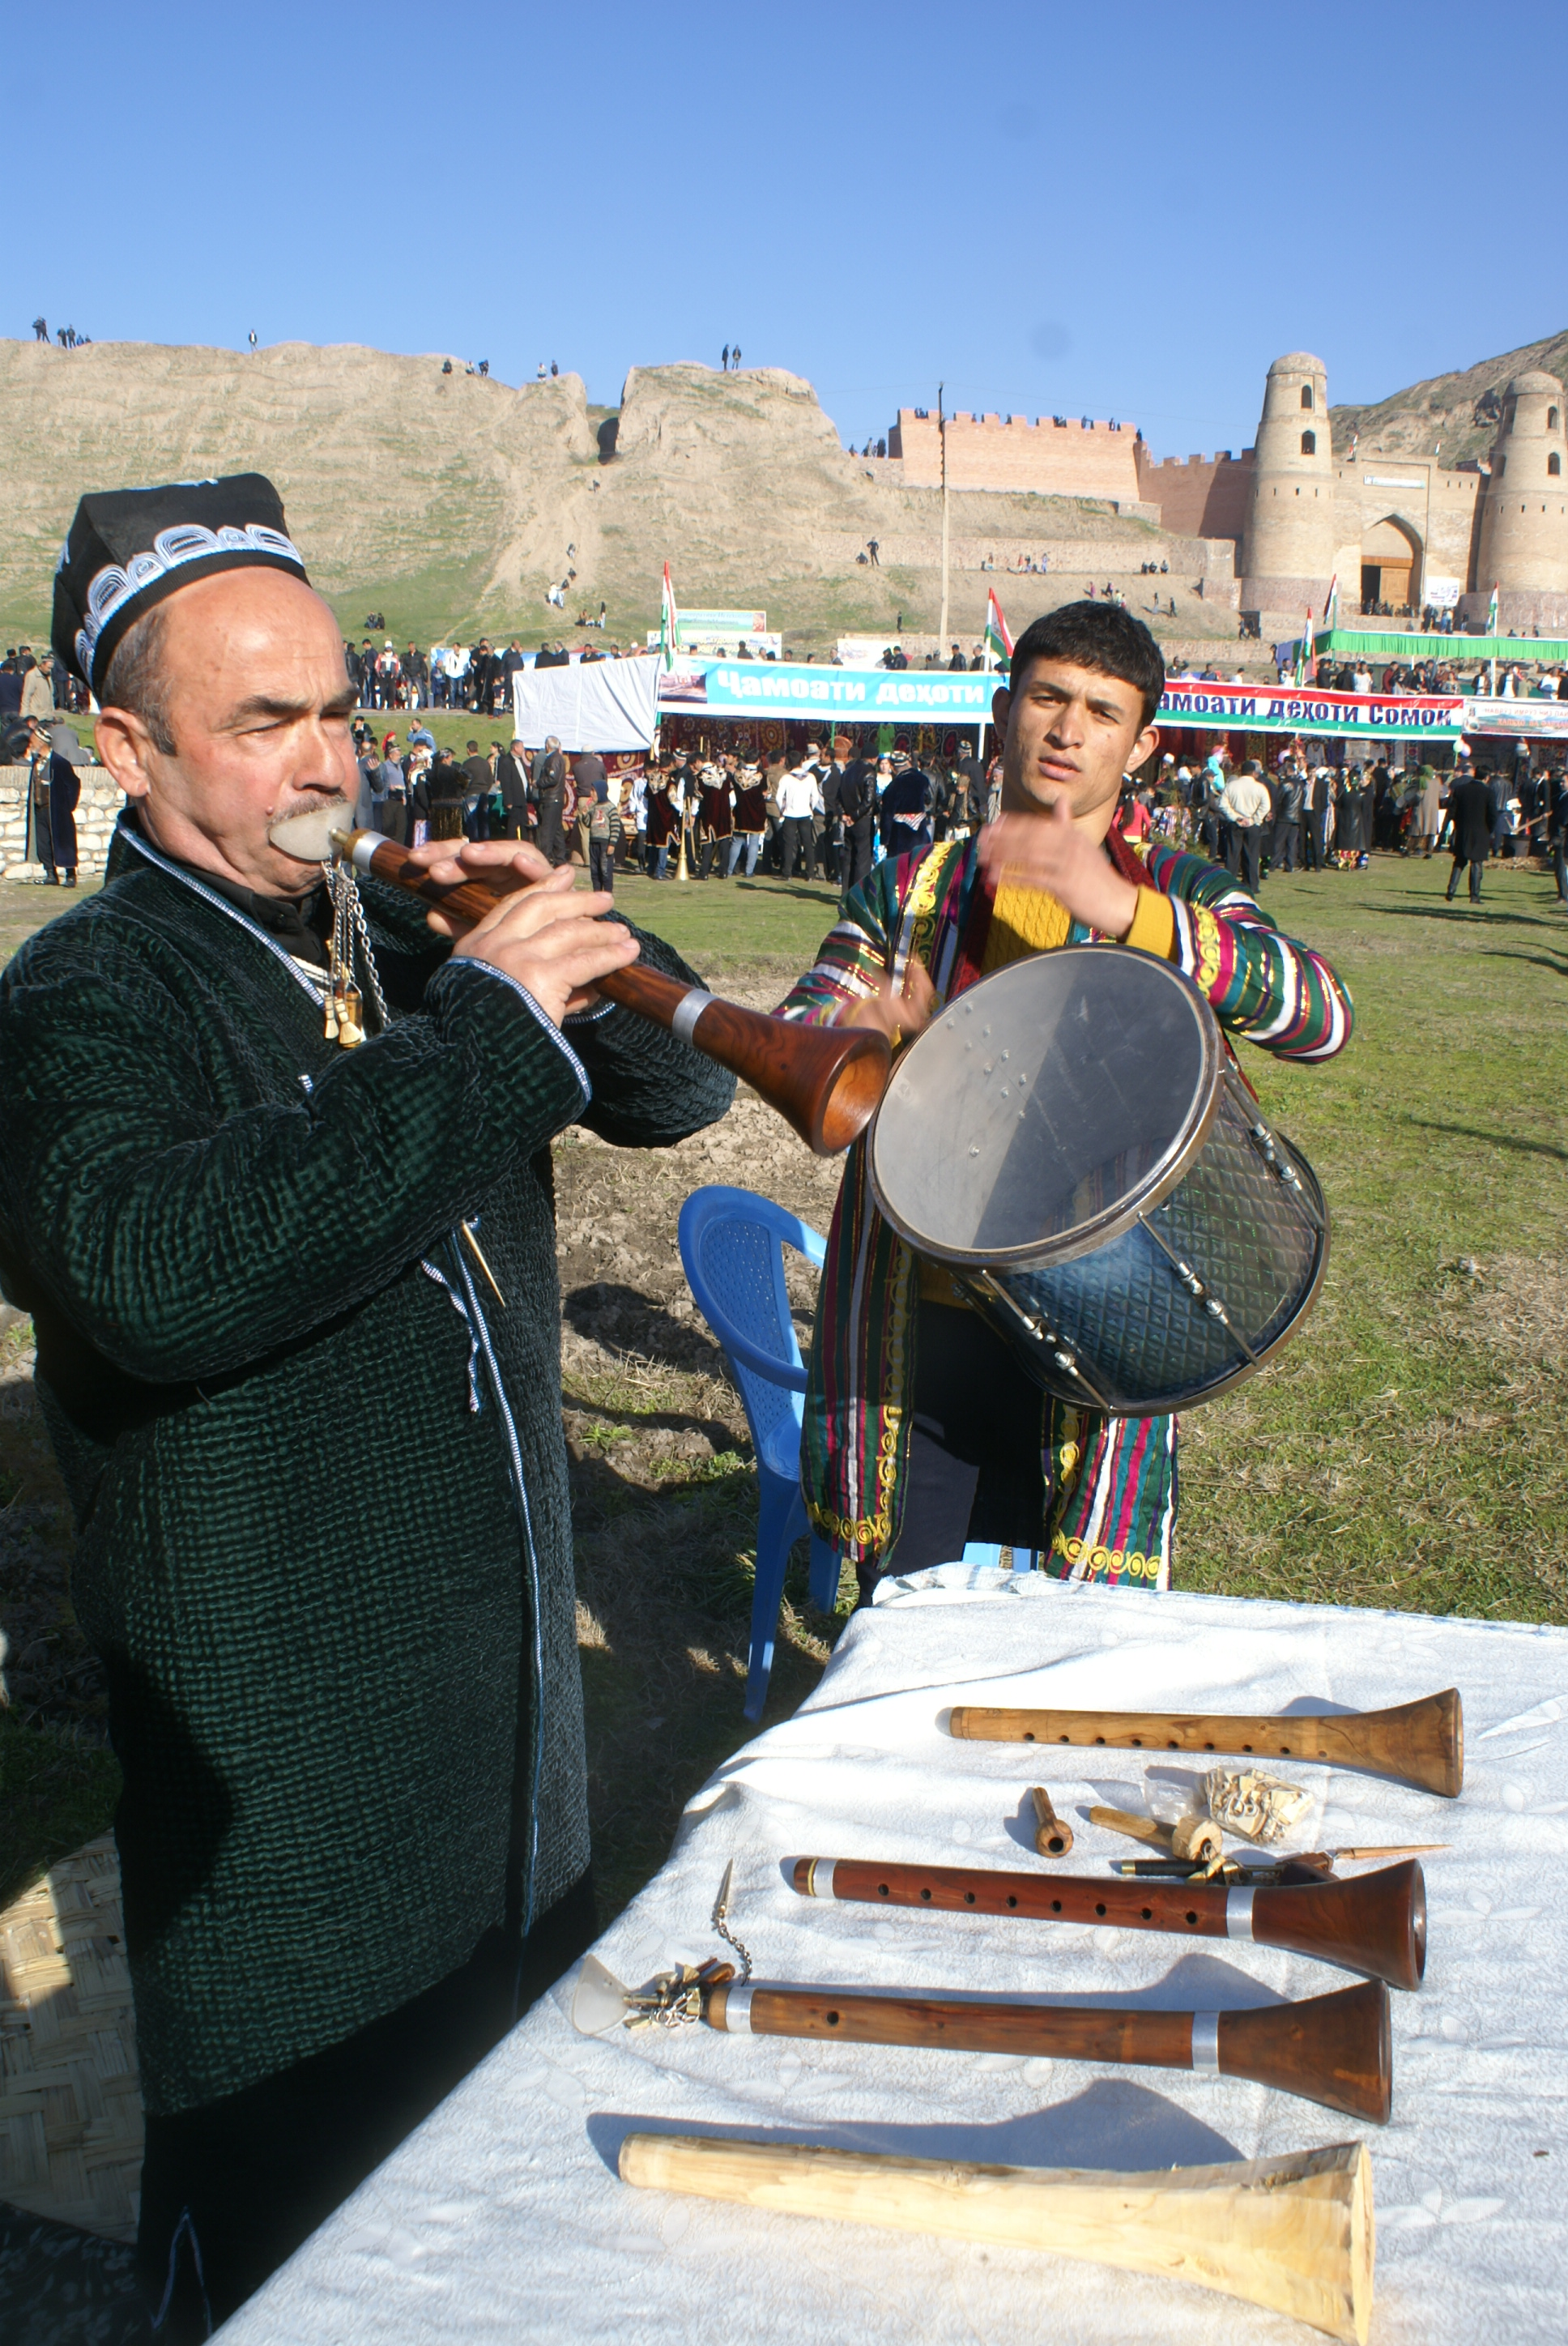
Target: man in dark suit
{"points": [[1473, 805], [549, 784], [512, 774]]}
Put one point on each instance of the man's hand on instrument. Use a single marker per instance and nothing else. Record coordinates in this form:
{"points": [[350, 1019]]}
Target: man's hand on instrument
{"points": [[502, 863], [1048, 851], [549, 937], [901, 1015]]}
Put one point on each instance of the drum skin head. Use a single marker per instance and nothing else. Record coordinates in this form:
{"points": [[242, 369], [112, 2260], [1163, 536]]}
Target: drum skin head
{"points": [[1046, 1107]]}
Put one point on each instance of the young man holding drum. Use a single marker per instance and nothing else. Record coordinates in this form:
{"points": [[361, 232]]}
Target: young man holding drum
{"points": [[922, 1430]]}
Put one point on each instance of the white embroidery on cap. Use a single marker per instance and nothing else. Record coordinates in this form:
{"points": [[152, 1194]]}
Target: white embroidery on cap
{"points": [[114, 587]]}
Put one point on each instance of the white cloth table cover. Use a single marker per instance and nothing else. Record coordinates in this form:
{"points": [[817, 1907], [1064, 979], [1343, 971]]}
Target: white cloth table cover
{"points": [[503, 2219]]}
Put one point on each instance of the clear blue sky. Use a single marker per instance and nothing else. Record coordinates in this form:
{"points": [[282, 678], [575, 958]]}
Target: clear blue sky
{"points": [[1112, 210]]}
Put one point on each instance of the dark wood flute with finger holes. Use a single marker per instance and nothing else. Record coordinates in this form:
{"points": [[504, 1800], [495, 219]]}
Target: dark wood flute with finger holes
{"points": [[825, 1081], [1370, 1923], [1419, 1743], [1335, 2049]]}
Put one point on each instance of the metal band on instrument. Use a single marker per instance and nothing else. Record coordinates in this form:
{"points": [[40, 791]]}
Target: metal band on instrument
{"points": [[1239, 1913], [1205, 2043], [737, 2011], [365, 845], [687, 1011], [820, 1877]]}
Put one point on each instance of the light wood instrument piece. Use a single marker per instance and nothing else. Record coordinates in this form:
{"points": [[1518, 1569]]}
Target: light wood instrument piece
{"points": [[1419, 1743], [1294, 2234]]}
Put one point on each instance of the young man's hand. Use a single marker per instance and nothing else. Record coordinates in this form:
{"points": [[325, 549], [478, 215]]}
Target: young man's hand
{"points": [[1049, 851], [899, 1013]]}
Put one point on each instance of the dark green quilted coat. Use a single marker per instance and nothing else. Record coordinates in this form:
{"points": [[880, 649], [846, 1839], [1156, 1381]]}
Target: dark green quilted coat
{"points": [[334, 1597]]}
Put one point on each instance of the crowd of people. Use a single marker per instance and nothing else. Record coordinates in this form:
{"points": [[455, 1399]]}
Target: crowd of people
{"points": [[833, 813], [1507, 680], [476, 678], [1312, 817]]}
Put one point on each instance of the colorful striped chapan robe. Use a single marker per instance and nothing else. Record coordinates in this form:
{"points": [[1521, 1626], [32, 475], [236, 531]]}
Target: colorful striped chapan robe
{"points": [[1110, 1481]]}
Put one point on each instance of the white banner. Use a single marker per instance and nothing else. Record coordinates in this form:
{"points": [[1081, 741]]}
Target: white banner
{"points": [[592, 705], [1540, 719]]}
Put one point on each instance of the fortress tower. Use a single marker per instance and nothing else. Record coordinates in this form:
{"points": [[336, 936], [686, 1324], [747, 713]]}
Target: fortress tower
{"points": [[1522, 543], [1289, 537]]}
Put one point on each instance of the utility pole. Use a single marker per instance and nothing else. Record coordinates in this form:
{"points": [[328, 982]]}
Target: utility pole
{"points": [[942, 435]]}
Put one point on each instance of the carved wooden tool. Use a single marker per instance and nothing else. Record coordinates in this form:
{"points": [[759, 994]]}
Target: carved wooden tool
{"points": [[1419, 1743], [1052, 1837], [1196, 1840], [1334, 2049], [1372, 1923], [1293, 2234]]}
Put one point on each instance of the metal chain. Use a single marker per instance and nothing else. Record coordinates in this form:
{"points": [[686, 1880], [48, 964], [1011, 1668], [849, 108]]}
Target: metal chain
{"points": [[349, 921], [358, 911], [720, 1911]]}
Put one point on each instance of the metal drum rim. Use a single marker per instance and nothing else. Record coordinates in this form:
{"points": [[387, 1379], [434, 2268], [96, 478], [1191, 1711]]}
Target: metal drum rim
{"points": [[1085, 1237], [1196, 1397]]}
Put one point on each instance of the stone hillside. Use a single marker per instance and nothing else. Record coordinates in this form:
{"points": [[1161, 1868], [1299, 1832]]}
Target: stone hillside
{"points": [[1459, 409], [449, 502]]}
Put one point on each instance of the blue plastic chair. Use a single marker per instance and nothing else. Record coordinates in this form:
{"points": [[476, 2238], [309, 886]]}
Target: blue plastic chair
{"points": [[732, 1248]]}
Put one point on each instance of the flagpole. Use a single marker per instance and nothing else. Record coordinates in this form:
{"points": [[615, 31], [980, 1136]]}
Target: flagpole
{"points": [[942, 435]]}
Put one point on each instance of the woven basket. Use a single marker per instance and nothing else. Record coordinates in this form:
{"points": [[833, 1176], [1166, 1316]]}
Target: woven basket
{"points": [[70, 2107]]}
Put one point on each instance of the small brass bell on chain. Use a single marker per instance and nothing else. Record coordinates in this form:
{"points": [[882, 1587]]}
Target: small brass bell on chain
{"points": [[351, 1017]]}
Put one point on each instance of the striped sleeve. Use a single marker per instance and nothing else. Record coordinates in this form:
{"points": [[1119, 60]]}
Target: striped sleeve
{"points": [[1260, 984], [853, 958]]}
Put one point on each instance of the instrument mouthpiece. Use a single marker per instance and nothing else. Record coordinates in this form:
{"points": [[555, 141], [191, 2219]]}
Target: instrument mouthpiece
{"points": [[311, 835]]}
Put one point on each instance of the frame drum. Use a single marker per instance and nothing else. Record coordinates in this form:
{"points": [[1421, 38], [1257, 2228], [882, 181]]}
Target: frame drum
{"points": [[1071, 1139]]}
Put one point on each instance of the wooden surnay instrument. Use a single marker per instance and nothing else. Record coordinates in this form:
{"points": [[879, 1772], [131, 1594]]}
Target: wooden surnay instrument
{"points": [[1373, 1923], [1294, 2234], [825, 1081], [1419, 1743], [1334, 2049]]}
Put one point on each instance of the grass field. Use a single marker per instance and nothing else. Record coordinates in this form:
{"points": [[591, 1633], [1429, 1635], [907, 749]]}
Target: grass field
{"points": [[1407, 1449]]}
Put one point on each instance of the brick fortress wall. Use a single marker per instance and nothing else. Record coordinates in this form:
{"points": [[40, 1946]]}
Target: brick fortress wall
{"points": [[1204, 497], [1096, 459]]}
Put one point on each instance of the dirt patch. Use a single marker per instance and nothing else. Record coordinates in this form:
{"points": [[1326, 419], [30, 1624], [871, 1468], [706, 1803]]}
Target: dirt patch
{"points": [[1519, 1304]]}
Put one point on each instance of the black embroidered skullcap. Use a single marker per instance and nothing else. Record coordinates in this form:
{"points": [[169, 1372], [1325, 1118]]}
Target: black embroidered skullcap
{"points": [[128, 549]]}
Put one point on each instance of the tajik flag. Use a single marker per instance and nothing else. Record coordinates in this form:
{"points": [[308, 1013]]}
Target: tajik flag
{"points": [[1332, 607], [998, 642], [1491, 613], [1304, 649], [668, 624]]}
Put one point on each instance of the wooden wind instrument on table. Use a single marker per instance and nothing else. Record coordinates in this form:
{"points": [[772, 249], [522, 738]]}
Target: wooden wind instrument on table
{"points": [[1334, 2049], [825, 1081], [1417, 1743], [1371, 1922], [1294, 2234]]}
